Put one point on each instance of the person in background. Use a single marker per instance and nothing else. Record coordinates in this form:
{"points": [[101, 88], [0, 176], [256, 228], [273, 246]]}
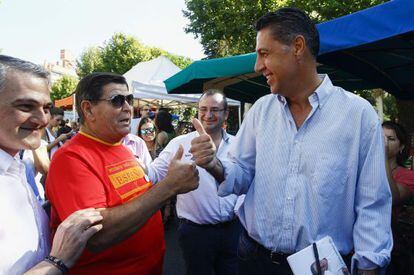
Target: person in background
{"points": [[166, 131], [144, 112], [53, 142], [138, 148], [209, 229], [401, 180], [63, 128], [24, 232], [148, 132]]}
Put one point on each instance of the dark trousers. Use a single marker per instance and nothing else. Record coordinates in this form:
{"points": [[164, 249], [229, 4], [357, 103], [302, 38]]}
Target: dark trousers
{"points": [[209, 248], [254, 259]]}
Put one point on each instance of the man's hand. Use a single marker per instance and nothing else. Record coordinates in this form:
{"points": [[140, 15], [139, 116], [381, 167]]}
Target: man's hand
{"points": [[182, 175], [203, 148], [73, 233]]}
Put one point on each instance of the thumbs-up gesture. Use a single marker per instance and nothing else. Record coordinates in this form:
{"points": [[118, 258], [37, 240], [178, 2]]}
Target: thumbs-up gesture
{"points": [[183, 176], [203, 147]]}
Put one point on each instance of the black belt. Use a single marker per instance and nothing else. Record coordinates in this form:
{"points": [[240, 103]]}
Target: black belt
{"points": [[214, 225], [278, 258], [275, 257]]}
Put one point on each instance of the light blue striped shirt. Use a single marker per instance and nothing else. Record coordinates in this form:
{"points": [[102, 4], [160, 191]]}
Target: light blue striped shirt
{"points": [[325, 178]]}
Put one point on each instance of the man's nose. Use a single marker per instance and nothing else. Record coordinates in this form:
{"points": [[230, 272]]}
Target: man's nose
{"points": [[258, 66]]}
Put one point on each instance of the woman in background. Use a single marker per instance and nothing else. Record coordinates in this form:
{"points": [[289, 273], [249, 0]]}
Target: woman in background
{"points": [[401, 182], [148, 132], [166, 132]]}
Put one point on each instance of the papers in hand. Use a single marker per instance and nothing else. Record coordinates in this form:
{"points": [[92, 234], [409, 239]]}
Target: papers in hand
{"points": [[331, 262]]}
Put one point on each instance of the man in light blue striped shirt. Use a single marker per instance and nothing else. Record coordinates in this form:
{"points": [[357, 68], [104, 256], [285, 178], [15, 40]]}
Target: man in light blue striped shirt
{"points": [[309, 157]]}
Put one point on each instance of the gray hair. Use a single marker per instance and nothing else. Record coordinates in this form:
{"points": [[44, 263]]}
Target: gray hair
{"points": [[9, 63]]}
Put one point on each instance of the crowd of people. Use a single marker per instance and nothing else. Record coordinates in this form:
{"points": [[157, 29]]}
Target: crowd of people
{"points": [[310, 160]]}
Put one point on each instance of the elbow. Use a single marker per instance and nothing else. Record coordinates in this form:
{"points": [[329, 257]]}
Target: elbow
{"points": [[96, 245]]}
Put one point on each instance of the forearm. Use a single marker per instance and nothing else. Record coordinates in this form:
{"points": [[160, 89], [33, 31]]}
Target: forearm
{"points": [[44, 268], [52, 144], [41, 160], [122, 221], [217, 171]]}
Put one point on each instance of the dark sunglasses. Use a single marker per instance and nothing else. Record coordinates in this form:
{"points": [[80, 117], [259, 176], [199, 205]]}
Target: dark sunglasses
{"points": [[147, 131], [119, 100]]}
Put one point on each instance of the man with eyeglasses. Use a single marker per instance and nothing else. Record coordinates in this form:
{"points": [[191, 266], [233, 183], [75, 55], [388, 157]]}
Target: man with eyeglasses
{"points": [[94, 169], [208, 230]]}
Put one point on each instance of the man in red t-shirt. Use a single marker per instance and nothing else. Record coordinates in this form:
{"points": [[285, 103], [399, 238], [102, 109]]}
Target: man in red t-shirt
{"points": [[94, 169]]}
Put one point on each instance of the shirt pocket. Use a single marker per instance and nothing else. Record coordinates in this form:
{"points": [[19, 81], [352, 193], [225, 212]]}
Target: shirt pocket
{"points": [[330, 176]]}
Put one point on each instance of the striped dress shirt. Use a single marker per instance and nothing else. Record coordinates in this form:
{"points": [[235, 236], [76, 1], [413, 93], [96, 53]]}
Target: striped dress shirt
{"points": [[325, 178]]}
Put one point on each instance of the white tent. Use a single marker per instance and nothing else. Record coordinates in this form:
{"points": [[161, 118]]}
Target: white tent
{"points": [[145, 80]]}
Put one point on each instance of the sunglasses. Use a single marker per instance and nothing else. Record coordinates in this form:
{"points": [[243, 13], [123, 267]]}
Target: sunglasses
{"points": [[147, 131], [119, 100]]}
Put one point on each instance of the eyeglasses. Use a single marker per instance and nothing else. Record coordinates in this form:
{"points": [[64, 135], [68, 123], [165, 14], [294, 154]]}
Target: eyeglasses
{"points": [[147, 131], [214, 111], [119, 100]]}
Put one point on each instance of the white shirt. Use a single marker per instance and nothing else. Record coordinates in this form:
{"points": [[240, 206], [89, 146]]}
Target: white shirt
{"points": [[50, 138], [203, 205], [29, 159], [134, 126], [138, 148], [23, 223]]}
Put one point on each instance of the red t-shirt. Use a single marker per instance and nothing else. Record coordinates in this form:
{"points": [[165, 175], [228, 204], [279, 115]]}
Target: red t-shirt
{"points": [[87, 172], [404, 177]]}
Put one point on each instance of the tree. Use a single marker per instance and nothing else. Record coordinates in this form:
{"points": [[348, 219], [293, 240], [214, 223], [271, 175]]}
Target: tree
{"points": [[120, 53], [63, 87], [225, 27], [90, 61]]}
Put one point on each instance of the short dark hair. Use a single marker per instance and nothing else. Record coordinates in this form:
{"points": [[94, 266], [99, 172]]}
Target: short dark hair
{"points": [[90, 88], [56, 112], [212, 92], [287, 23], [9, 63], [403, 137]]}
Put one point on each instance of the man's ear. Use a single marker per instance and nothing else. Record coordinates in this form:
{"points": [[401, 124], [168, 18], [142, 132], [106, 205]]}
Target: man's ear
{"points": [[227, 114], [299, 46], [87, 110]]}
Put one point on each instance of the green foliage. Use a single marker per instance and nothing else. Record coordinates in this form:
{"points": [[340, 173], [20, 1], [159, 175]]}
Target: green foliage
{"points": [[225, 27], [120, 53], [63, 87], [90, 61]]}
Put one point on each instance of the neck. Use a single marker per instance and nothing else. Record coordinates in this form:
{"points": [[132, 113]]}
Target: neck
{"points": [[303, 84], [87, 130], [216, 136], [150, 144], [393, 163]]}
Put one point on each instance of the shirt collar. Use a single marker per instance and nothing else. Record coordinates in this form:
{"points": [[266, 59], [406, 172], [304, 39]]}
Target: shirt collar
{"points": [[226, 136], [323, 91], [6, 161], [99, 140], [320, 95]]}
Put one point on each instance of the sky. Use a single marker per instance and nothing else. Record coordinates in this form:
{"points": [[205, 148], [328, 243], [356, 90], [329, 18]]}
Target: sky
{"points": [[36, 30]]}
